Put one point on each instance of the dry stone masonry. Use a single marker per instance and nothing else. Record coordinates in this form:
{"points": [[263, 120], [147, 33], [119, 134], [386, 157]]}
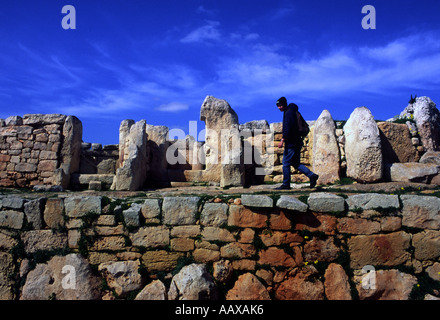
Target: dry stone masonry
{"points": [[245, 247], [39, 149]]}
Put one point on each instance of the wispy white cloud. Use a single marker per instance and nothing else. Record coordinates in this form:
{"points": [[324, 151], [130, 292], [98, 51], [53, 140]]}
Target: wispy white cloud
{"points": [[211, 33], [30, 75], [141, 89], [244, 37], [208, 32], [173, 107], [266, 70], [250, 71]]}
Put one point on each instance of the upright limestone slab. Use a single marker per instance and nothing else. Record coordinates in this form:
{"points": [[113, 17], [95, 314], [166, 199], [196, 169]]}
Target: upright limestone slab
{"points": [[133, 157], [221, 121], [325, 158], [363, 148], [71, 148]]}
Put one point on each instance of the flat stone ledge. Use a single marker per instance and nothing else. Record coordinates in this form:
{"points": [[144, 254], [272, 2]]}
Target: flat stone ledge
{"points": [[326, 202], [291, 203], [261, 201], [372, 201], [179, 210]]}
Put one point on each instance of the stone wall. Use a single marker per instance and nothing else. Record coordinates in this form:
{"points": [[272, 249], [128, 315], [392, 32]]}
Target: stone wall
{"points": [[99, 159], [39, 150], [311, 247]]}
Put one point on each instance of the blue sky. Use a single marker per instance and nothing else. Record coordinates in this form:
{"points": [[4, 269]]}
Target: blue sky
{"points": [[158, 60]]}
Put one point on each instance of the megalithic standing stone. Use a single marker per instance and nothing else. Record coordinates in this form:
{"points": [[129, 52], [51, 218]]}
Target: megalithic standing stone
{"points": [[363, 148], [134, 164], [325, 156], [217, 115]]}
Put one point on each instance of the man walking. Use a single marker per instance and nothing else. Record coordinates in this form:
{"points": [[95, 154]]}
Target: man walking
{"points": [[293, 143]]}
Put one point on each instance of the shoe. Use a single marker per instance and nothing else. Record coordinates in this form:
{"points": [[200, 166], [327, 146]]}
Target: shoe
{"points": [[313, 180], [283, 187]]}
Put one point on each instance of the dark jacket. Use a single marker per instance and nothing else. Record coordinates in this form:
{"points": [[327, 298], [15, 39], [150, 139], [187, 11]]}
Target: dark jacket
{"points": [[290, 125]]}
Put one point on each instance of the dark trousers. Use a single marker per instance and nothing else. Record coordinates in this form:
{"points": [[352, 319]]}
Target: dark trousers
{"points": [[291, 157]]}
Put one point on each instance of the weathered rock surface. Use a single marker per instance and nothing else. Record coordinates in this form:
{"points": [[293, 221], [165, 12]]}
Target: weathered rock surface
{"points": [[217, 115], [11, 219], [280, 258], [156, 290], [232, 158], [151, 237], [6, 269], [434, 271], [369, 201], [49, 280], [214, 214], [262, 125], [427, 118], [85, 179], [427, 245], [389, 285], [300, 287], [336, 283], [325, 202], [151, 210], [134, 152], [325, 156], [412, 172], [248, 287], [396, 143], [161, 260], [431, 157], [384, 249], [122, 276], [80, 206], [179, 210], [193, 282], [34, 212], [321, 250], [421, 212], [363, 148], [35, 240], [132, 214], [241, 216], [358, 226], [71, 148], [43, 119], [291, 203], [261, 201], [12, 202], [222, 271]]}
